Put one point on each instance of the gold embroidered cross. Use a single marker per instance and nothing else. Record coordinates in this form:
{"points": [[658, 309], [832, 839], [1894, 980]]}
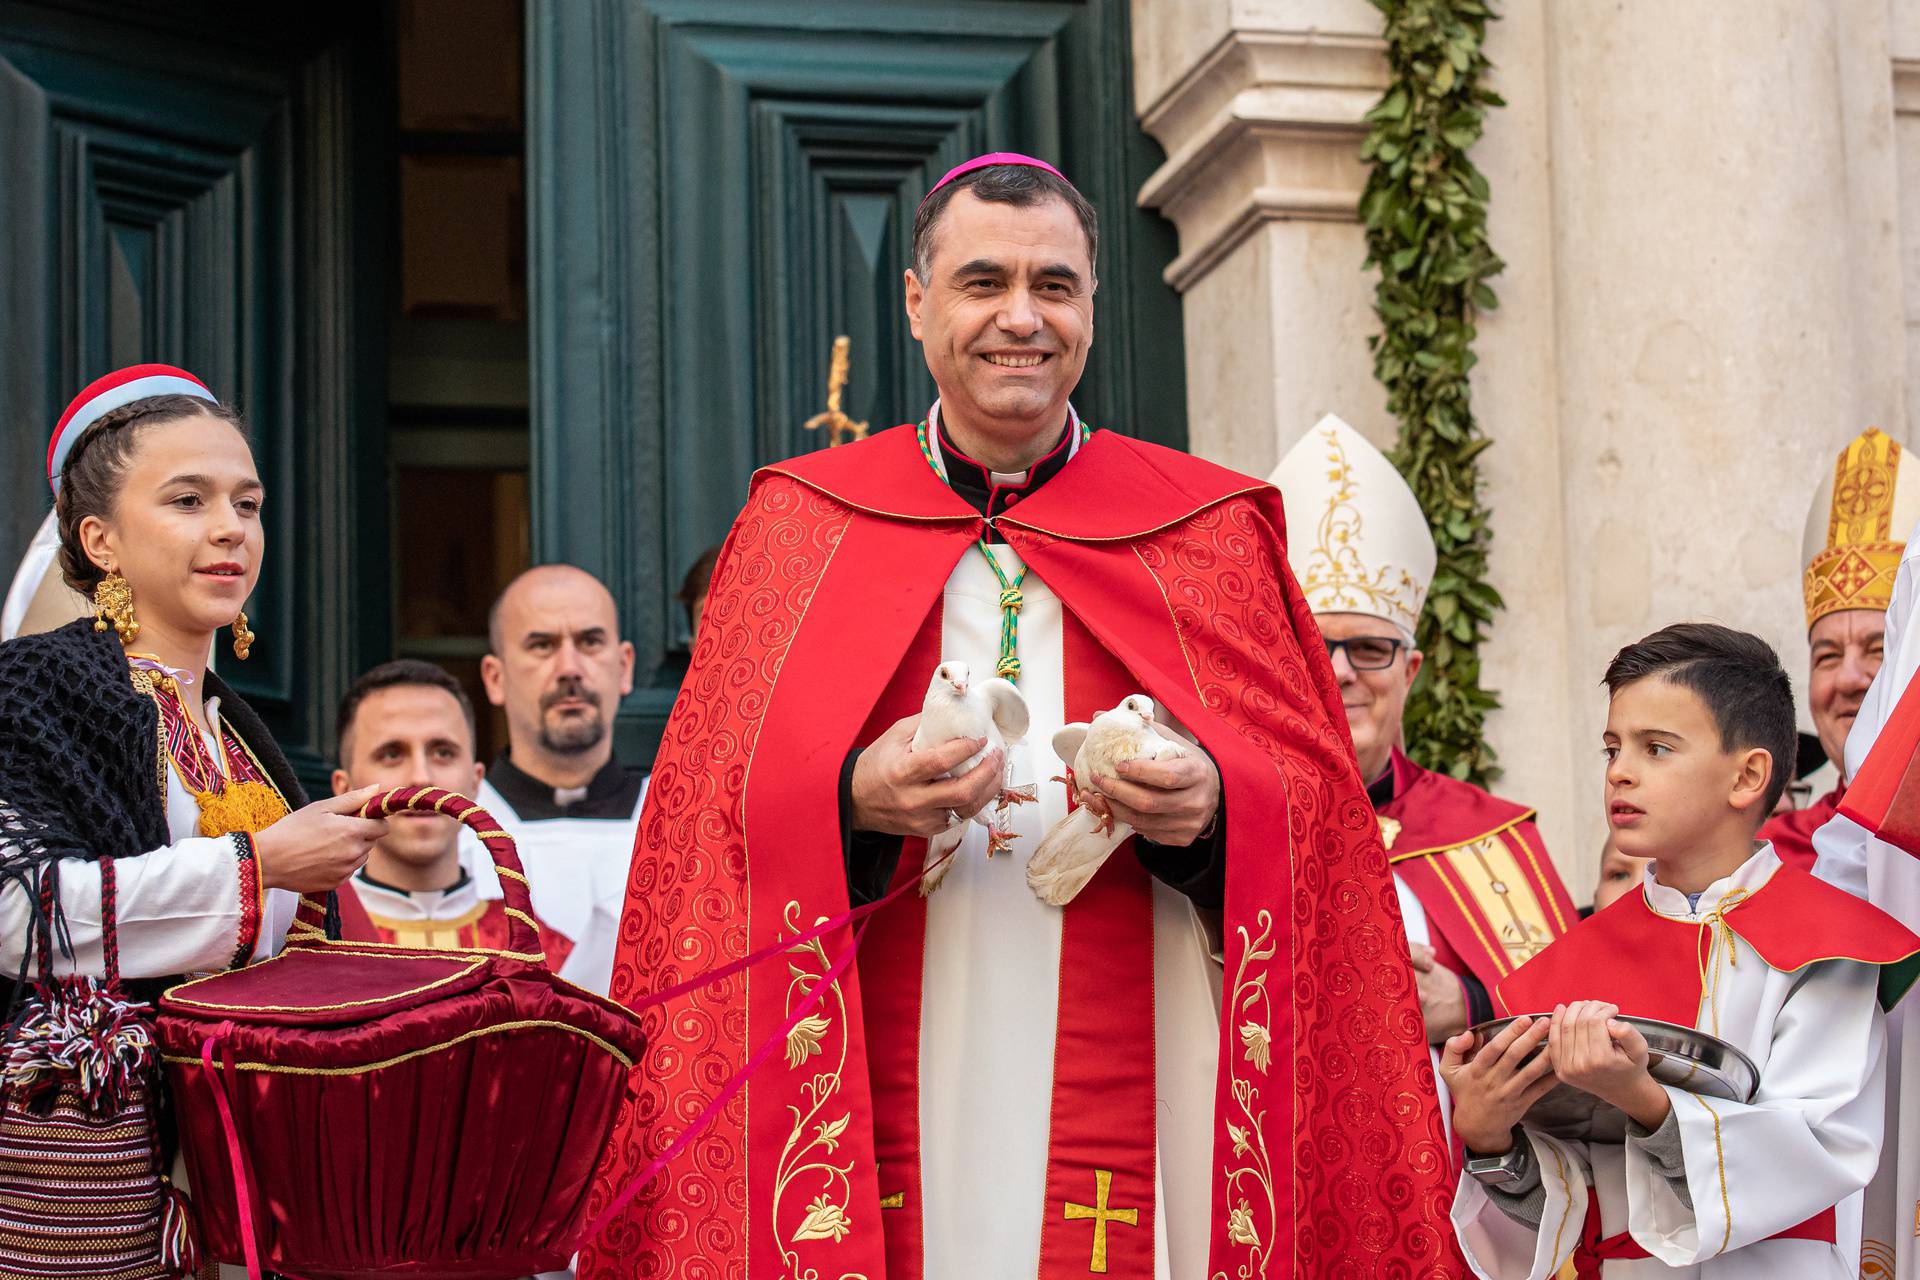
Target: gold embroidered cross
{"points": [[1101, 1216]]}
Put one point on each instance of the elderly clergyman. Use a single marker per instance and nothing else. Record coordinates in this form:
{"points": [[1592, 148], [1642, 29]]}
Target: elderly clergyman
{"points": [[1477, 890], [1478, 894], [1001, 1087], [1850, 556]]}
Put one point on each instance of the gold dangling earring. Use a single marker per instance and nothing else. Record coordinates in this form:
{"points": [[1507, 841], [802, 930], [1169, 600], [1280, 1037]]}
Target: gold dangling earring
{"points": [[242, 637], [113, 602]]}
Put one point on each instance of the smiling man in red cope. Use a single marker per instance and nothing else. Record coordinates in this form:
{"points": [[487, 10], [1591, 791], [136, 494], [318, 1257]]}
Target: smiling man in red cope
{"points": [[1002, 1087]]}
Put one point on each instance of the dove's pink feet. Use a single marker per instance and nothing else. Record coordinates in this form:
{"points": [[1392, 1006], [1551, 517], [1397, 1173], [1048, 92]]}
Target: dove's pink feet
{"points": [[1017, 795], [999, 842], [1099, 806]]}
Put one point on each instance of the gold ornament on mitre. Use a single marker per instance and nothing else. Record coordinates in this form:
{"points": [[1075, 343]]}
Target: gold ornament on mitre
{"points": [[1858, 526], [1356, 537]]}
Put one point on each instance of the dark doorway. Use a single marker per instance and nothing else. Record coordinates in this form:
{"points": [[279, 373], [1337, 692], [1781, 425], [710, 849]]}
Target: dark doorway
{"points": [[188, 183]]}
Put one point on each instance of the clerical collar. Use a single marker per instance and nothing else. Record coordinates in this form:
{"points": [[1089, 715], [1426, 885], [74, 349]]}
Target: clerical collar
{"points": [[364, 875], [1380, 790], [993, 493], [611, 793]]}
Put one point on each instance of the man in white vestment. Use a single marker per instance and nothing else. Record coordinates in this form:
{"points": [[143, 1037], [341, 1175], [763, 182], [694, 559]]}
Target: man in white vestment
{"points": [[558, 667]]}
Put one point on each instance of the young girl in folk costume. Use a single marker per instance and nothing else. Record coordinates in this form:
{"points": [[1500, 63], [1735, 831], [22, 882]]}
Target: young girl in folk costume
{"points": [[149, 827], [1722, 936]]}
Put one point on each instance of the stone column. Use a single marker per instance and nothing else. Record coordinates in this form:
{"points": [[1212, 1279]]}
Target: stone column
{"points": [[1259, 109], [1258, 106]]}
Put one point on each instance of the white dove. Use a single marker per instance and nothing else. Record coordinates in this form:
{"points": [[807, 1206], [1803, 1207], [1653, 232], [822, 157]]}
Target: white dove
{"points": [[959, 707], [1079, 843]]}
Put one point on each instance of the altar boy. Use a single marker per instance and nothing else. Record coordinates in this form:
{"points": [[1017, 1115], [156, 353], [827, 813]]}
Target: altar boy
{"points": [[1720, 936]]}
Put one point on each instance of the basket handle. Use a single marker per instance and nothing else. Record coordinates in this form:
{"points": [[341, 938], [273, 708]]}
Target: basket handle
{"points": [[523, 934]]}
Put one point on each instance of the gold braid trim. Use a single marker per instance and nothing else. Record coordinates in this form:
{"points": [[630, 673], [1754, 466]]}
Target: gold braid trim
{"points": [[175, 996], [274, 1068], [1720, 1157]]}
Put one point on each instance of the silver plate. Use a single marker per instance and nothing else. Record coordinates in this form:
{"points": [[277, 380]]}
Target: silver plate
{"points": [[1683, 1057]]}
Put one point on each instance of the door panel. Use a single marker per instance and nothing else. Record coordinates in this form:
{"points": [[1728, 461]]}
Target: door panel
{"points": [[161, 171], [719, 187]]}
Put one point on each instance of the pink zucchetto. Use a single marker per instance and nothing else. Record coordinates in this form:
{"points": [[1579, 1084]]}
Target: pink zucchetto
{"points": [[987, 161]]}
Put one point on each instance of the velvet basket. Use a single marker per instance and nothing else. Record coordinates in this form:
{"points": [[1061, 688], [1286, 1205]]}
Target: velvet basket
{"points": [[360, 1110]]}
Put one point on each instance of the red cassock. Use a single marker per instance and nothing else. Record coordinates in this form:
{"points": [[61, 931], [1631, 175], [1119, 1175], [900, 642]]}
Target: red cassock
{"points": [[823, 627], [1792, 831]]}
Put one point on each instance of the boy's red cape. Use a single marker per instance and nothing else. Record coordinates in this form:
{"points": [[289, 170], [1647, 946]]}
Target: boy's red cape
{"points": [[1650, 965], [822, 628]]}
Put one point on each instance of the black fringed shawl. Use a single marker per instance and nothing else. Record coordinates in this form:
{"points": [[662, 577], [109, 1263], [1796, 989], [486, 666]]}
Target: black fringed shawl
{"points": [[80, 770]]}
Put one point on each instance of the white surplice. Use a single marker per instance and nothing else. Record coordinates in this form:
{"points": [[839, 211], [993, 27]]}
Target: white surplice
{"points": [[1890, 879], [1413, 917], [177, 908], [576, 874], [1809, 1139], [989, 1008]]}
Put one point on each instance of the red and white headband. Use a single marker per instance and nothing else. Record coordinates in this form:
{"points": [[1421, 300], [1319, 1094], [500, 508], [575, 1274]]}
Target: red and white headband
{"points": [[103, 395], [988, 161]]}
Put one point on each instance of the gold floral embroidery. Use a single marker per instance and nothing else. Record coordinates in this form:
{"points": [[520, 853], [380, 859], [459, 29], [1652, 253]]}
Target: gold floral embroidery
{"points": [[825, 1220], [816, 1132], [1250, 1176], [1334, 577], [1258, 1043], [804, 1039]]}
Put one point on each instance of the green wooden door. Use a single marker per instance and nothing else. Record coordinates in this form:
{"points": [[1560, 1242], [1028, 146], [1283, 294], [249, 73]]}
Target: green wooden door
{"points": [[719, 187], [180, 186]]}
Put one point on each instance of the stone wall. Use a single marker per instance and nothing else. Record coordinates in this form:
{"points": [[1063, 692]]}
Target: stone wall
{"points": [[1710, 287]]}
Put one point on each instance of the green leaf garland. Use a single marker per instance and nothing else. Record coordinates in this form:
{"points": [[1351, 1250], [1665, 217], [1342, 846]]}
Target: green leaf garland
{"points": [[1425, 211]]}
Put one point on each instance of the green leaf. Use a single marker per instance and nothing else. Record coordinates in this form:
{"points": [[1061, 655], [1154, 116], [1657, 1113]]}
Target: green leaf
{"points": [[1424, 210]]}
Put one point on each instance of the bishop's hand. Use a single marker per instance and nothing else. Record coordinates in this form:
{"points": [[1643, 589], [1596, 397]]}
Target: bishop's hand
{"points": [[904, 792], [1171, 801]]}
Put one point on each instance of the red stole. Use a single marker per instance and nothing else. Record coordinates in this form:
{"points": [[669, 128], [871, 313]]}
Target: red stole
{"points": [[1102, 1134], [1479, 869], [1792, 832], [1650, 965], [1328, 1145]]}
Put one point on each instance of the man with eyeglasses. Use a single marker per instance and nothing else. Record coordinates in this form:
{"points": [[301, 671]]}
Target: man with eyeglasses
{"points": [[1478, 893]]}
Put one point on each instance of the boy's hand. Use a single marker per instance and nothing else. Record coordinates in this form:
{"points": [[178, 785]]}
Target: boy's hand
{"points": [[1595, 1051], [1493, 1090]]}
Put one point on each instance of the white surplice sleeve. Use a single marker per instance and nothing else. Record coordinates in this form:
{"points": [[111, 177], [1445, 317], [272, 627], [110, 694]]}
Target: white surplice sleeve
{"points": [[1499, 1248], [178, 910], [1809, 1139]]}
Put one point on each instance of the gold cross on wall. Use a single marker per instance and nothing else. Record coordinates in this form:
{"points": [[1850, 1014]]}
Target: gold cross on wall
{"points": [[1100, 1215]]}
